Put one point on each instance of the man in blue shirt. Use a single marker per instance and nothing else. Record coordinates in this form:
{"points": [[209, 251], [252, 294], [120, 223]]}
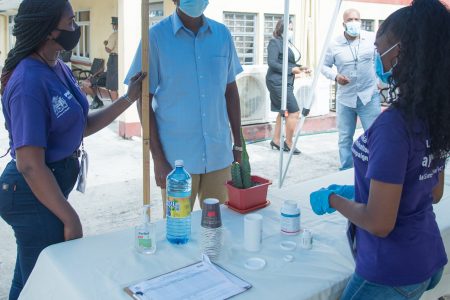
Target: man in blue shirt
{"points": [[194, 96]]}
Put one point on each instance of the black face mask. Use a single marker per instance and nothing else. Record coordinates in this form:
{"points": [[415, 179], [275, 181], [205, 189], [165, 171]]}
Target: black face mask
{"points": [[69, 39]]}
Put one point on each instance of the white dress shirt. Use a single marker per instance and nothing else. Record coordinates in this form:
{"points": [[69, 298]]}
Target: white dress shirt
{"points": [[354, 59]]}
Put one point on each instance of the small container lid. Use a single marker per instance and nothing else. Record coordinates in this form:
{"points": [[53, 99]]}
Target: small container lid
{"points": [[255, 263], [288, 245], [179, 163], [290, 207], [288, 258]]}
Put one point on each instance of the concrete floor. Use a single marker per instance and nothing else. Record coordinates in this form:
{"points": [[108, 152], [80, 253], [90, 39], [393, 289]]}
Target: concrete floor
{"points": [[114, 193]]}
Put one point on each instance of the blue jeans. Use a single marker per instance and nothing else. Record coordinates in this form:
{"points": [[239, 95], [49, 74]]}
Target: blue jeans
{"points": [[35, 226], [360, 289], [346, 122]]}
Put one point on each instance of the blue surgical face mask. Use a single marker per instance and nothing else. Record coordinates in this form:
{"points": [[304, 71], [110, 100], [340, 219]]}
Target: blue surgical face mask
{"points": [[193, 8], [379, 68], [353, 28]]}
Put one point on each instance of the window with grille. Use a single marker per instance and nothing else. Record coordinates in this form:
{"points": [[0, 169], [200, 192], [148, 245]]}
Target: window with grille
{"points": [[243, 29], [83, 49], [156, 12], [270, 21], [11, 37], [368, 25]]}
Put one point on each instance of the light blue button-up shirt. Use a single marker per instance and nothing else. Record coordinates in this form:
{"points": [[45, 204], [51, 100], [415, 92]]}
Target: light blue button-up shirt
{"points": [[353, 59], [188, 77]]}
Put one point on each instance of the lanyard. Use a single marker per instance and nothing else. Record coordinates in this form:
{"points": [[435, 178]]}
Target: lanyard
{"points": [[354, 53]]}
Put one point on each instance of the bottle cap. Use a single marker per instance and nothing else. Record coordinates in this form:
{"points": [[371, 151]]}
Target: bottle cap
{"points": [[290, 207], [307, 234], [179, 163], [211, 217]]}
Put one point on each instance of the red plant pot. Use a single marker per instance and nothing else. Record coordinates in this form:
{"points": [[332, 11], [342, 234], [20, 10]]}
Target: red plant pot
{"points": [[244, 200]]}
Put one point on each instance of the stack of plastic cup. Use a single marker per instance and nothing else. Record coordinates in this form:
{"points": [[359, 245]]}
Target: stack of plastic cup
{"points": [[211, 229]]}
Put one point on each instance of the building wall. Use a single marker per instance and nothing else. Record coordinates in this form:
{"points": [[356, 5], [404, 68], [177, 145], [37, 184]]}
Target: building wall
{"points": [[3, 39], [100, 23], [395, 2]]}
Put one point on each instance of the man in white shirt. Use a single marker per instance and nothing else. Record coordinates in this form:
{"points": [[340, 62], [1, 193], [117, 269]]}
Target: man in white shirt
{"points": [[357, 93]]}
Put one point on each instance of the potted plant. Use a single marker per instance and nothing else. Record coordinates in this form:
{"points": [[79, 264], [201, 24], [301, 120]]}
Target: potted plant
{"points": [[246, 192]]}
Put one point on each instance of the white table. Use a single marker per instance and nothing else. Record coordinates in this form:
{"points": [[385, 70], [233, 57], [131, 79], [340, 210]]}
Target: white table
{"points": [[99, 267]]}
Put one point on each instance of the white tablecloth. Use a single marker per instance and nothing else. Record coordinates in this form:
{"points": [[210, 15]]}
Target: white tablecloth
{"points": [[99, 267]]}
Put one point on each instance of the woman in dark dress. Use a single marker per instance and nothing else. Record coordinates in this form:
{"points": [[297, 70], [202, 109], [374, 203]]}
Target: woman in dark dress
{"points": [[274, 85]]}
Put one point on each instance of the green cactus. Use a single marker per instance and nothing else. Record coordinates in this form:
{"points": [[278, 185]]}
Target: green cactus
{"points": [[236, 175], [245, 170], [241, 173]]}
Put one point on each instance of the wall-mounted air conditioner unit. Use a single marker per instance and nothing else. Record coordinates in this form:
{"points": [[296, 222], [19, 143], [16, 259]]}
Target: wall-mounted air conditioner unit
{"points": [[254, 95], [302, 88]]}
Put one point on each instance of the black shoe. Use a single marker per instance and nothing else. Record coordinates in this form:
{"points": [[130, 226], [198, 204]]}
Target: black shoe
{"points": [[96, 103], [287, 149], [273, 145]]}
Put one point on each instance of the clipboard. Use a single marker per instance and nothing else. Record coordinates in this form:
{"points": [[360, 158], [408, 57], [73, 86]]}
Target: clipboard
{"points": [[206, 281]]}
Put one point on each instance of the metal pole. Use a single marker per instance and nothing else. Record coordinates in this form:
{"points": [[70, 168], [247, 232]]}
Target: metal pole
{"points": [[145, 103], [284, 86], [309, 99]]}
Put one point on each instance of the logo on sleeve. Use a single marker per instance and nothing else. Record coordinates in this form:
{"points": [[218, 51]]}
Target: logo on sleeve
{"points": [[427, 162], [60, 106]]}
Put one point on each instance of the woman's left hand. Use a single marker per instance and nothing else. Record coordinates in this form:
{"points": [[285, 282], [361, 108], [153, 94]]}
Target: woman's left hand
{"points": [[305, 70], [135, 86]]}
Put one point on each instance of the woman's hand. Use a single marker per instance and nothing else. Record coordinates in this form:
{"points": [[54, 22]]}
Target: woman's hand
{"points": [[296, 70], [72, 228], [306, 70], [135, 86]]}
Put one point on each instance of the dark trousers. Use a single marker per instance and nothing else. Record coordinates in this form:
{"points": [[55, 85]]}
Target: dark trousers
{"points": [[35, 226]]}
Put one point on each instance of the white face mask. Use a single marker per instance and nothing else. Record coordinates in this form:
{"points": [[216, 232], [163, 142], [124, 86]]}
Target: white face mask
{"points": [[353, 28], [291, 36]]}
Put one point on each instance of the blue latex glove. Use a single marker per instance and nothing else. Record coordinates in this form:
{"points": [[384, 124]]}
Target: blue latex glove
{"points": [[346, 191], [320, 201]]}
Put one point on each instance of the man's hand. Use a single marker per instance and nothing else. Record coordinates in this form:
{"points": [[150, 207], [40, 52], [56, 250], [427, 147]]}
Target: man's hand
{"points": [[161, 168], [237, 156], [342, 79]]}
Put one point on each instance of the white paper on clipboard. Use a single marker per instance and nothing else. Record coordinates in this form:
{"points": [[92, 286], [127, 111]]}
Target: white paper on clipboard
{"points": [[200, 281]]}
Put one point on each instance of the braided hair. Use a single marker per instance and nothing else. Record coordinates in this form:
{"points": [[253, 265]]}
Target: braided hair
{"points": [[420, 83], [35, 20]]}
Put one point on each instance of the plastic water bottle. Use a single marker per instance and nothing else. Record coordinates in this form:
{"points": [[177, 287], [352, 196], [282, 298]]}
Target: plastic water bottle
{"points": [[178, 205]]}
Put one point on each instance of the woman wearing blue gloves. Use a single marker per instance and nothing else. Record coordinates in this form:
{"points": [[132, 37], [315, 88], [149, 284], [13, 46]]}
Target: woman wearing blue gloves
{"points": [[400, 160]]}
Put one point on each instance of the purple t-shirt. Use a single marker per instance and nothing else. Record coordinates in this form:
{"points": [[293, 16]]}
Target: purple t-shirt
{"points": [[390, 152], [40, 110]]}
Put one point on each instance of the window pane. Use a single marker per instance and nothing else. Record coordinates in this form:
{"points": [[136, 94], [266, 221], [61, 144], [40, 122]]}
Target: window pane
{"points": [[84, 16], [368, 25], [82, 50], [242, 28]]}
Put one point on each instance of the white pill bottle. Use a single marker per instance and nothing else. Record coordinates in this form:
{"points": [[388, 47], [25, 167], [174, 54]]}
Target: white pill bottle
{"points": [[290, 218]]}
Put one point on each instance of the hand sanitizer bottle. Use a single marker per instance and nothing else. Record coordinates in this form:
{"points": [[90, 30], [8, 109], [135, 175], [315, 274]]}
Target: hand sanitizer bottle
{"points": [[145, 234]]}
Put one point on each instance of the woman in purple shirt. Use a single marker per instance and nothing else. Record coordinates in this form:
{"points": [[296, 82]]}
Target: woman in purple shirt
{"points": [[399, 162], [46, 116]]}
